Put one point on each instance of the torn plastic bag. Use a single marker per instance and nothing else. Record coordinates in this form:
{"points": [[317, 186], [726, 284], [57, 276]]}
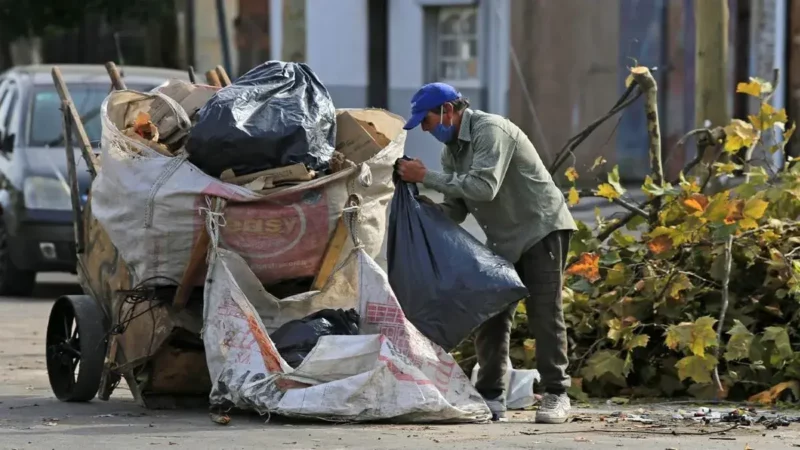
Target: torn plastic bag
{"points": [[295, 339], [275, 115], [447, 282]]}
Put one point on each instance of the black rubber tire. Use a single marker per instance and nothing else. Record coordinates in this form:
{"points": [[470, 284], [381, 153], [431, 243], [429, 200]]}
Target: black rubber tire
{"points": [[13, 281], [89, 340]]}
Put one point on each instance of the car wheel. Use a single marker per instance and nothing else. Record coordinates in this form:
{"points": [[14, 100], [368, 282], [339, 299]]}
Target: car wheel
{"points": [[13, 281]]}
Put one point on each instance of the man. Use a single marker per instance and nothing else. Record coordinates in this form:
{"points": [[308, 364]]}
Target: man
{"points": [[491, 169]]}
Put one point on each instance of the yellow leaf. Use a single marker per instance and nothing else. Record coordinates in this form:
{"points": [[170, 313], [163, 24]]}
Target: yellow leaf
{"points": [[571, 174], [698, 368], [599, 161], [614, 329], [752, 88], [772, 394], [717, 209], [768, 117], [703, 335], [529, 345], [696, 203], [573, 198], [727, 168], [755, 208], [587, 267], [788, 133], [607, 191], [739, 134]]}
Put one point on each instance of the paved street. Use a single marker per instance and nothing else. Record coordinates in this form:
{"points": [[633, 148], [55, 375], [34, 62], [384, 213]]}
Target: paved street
{"points": [[31, 418]]}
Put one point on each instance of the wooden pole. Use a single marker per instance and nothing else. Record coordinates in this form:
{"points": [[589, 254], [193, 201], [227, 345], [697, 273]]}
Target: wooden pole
{"points": [[86, 145], [116, 77]]}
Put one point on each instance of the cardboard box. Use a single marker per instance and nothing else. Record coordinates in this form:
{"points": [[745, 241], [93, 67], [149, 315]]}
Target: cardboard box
{"points": [[362, 133]]}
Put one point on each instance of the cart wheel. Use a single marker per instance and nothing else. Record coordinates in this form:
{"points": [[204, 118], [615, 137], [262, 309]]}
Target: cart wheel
{"points": [[76, 348]]}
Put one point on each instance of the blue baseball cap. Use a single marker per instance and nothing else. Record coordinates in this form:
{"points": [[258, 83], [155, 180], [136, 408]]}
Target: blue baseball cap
{"points": [[428, 97]]}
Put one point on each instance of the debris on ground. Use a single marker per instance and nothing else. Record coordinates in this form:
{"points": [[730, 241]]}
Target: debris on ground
{"points": [[220, 418]]}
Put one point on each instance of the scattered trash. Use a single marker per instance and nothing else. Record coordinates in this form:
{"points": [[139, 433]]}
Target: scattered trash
{"points": [[580, 419], [638, 418], [582, 439], [618, 401], [220, 418]]}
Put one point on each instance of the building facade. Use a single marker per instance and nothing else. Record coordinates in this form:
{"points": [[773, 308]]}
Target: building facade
{"points": [[457, 41]]}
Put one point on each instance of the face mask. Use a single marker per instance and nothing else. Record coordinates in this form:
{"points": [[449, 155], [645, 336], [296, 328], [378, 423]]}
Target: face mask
{"points": [[443, 134]]}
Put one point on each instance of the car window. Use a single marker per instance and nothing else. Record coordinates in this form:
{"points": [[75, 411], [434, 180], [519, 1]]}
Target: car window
{"points": [[12, 103], [8, 101], [46, 125]]}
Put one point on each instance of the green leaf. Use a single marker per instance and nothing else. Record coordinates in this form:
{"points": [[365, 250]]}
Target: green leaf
{"points": [[613, 180], [698, 368], [780, 338], [616, 275], [640, 340], [679, 336], [610, 258], [738, 347], [604, 362], [638, 221], [599, 161]]}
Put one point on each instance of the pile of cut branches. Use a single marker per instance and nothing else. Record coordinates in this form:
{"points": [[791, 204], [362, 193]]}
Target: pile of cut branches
{"points": [[694, 292]]}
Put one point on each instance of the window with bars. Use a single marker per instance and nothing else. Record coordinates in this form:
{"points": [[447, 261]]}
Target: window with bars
{"points": [[455, 43]]}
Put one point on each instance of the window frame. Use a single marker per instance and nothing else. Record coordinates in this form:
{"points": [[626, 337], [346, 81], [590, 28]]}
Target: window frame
{"points": [[434, 39]]}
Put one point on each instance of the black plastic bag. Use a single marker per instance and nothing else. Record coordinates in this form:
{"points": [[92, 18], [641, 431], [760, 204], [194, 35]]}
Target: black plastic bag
{"points": [[275, 115], [295, 339], [446, 281]]}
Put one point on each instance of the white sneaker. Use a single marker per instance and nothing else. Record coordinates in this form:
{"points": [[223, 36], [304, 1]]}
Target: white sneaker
{"points": [[554, 409]]}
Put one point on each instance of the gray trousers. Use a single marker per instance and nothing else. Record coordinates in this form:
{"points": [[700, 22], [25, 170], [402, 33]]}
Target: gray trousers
{"points": [[541, 269]]}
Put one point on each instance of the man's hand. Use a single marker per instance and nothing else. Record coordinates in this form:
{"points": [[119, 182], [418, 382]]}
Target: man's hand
{"points": [[411, 171]]}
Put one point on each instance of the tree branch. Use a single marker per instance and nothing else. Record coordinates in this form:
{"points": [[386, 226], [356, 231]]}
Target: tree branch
{"points": [[648, 84], [725, 298], [618, 201], [576, 140]]}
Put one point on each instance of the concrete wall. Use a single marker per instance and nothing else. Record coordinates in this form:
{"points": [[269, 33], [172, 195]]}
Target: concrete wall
{"points": [[568, 53], [208, 51], [336, 43]]}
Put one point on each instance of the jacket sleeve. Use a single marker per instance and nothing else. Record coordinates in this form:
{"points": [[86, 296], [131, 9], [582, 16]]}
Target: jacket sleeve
{"points": [[492, 150], [453, 207]]}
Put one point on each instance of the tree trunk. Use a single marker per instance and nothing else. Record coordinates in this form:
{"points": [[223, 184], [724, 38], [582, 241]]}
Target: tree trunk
{"points": [[711, 67], [294, 31]]}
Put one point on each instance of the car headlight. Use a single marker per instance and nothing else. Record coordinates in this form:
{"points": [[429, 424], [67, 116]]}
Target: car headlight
{"points": [[46, 193]]}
